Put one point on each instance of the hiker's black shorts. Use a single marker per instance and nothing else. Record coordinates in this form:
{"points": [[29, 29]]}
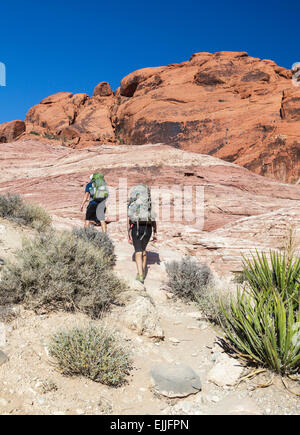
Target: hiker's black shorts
{"points": [[141, 236], [91, 212]]}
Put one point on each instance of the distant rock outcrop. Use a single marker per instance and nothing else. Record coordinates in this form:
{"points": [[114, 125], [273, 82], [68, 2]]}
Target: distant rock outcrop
{"points": [[10, 131], [230, 105]]}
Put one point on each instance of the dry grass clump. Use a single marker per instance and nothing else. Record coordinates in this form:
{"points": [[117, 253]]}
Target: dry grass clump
{"points": [[210, 301], [13, 208], [59, 271], [95, 353], [188, 278]]}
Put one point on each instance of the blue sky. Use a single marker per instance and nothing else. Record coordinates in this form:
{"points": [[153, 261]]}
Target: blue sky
{"points": [[55, 46]]}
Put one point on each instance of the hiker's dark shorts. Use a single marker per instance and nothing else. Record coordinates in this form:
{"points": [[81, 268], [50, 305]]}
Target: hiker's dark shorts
{"points": [[96, 212], [141, 237]]}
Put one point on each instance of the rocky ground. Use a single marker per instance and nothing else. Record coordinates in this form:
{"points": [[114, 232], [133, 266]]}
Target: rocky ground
{"points": [[164, 331]]}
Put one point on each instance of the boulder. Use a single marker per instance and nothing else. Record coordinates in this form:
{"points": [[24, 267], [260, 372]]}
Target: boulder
{"points": [[141, 316], [174, 380], [9, 131], [226, 371], [103, 89]]}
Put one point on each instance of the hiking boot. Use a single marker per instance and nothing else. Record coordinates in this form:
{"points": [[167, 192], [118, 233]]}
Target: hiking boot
{"points": [[140, 278]]}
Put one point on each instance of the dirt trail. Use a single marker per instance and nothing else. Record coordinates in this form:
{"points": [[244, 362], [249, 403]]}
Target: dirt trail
{"points": [[189, 339]]}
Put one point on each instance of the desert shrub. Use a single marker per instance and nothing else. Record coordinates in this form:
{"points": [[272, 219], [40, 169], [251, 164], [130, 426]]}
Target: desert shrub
{"points": [[35, 133], [13, 207], [263, 323], [99, 239], [188, 278], [210, 301], [60, 271], [51, 136], [94, 353]]}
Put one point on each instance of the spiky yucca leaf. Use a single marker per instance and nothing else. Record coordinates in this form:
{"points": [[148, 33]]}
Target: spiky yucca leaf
{"points": [[281, 273], [265, 329]]}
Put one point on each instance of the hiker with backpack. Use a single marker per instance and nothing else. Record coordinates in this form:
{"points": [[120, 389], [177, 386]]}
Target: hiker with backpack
{"points": [[96, 192], [140, 224]]}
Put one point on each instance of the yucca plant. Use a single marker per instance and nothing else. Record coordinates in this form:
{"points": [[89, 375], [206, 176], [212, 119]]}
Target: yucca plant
{"points": [[281, 273], [265, 329], [263, 321]]}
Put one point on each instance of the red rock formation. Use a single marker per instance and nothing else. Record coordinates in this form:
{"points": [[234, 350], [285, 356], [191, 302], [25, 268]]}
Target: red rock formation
{"points": [[103, 89], [242, 210], [230, 105], [11, 130], [226, 104], [290, 105]]}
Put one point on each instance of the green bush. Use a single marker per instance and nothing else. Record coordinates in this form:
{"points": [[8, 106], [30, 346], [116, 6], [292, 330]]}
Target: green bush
{"points": [[99, 239], [51, 136], [94, 353], [263, 322], [188, 278], [59, 271], [13, 207]]}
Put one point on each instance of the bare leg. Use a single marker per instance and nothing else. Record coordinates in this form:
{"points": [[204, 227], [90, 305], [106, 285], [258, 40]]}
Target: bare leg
{"points": [[144, 262], [103, 226], [87, 224], [139, 262]]}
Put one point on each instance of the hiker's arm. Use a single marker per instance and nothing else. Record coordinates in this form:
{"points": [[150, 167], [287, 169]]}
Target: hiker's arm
{"points": [[85, 199], [129, 230]]}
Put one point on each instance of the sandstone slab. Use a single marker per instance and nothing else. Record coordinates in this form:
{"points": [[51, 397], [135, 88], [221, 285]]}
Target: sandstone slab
{"points": [[174, 380]]}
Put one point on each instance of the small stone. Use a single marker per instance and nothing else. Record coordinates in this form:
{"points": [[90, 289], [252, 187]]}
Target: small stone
{"points": [[225, 372], [174, 340], [80, 411], [203, 325], [213, 399], [3, 358], [3, 402], [216, 356]]}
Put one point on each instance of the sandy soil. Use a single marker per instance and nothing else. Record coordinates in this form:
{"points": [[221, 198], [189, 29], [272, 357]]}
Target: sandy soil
{"points": [[30, 384]]}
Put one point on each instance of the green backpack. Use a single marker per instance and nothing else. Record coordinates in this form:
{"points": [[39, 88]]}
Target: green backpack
{"points": [[99, 187]]}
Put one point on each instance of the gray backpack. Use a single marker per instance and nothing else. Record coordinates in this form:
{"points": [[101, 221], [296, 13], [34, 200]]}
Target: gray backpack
{"points": [[140, 204]]}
